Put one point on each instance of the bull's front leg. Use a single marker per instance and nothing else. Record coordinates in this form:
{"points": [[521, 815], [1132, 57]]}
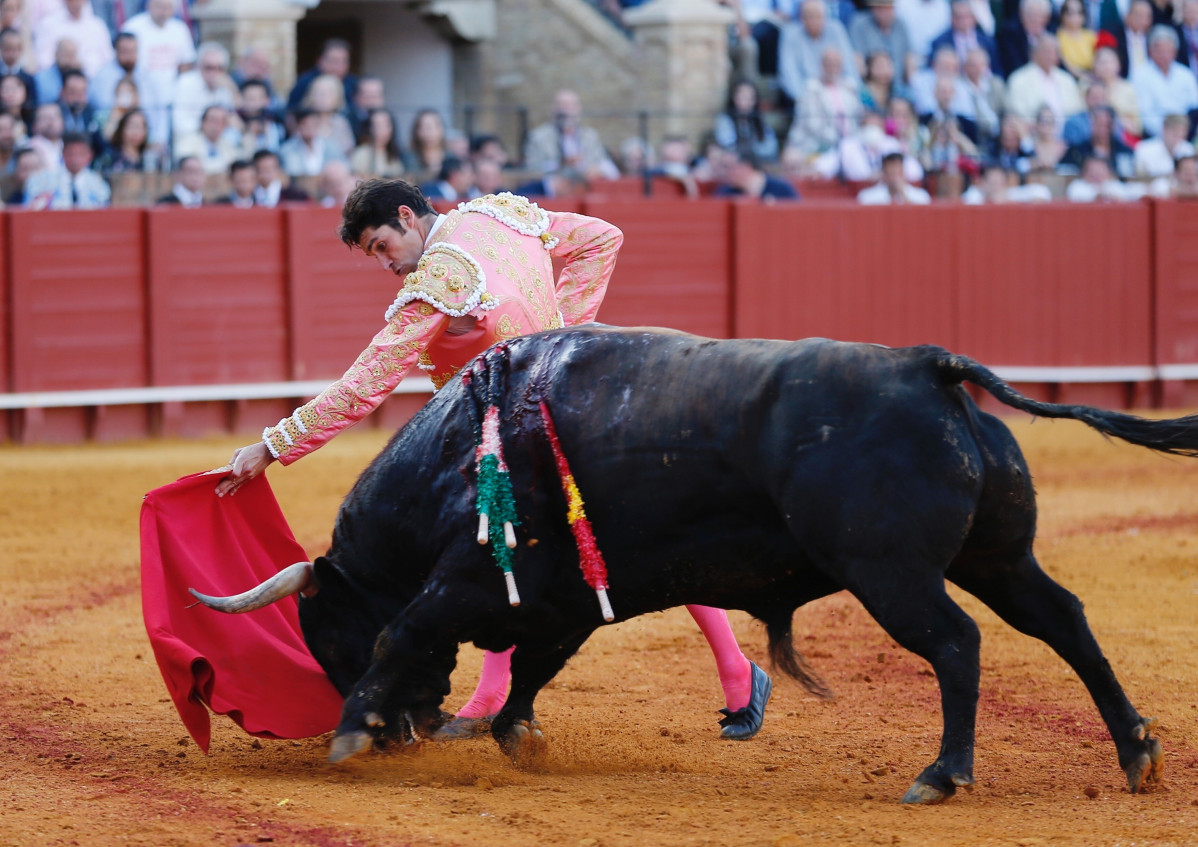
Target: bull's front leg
{"points": [[534, 663], [401, 692]]}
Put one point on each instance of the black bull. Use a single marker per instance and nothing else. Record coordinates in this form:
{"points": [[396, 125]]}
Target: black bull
{"points": [[754, 475]]}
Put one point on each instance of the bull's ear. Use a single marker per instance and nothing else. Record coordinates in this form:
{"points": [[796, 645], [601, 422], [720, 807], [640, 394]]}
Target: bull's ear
{"points": [[325, 575]]}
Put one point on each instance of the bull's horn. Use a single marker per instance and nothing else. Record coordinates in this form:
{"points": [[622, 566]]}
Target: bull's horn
{"points": [[291, 580]]}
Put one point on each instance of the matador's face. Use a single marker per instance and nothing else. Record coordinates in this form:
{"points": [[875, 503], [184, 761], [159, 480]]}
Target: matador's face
{"points": [[397, 249]]}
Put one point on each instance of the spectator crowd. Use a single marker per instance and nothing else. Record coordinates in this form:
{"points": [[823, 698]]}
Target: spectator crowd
{"points": [[986, 101]]}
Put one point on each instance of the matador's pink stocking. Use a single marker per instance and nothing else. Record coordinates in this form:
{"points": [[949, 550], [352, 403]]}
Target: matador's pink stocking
{"points": [[736, 673], [491, 692]]}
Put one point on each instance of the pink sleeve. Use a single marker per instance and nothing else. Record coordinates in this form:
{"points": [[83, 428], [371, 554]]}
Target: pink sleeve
{"points": [[363, 387], [589, 247]]}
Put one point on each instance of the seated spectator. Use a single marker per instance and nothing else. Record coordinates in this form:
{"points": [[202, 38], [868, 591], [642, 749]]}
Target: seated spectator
{"points": [[260, 129], [859, 157], [925, 19], [12, 49], [333, 60], [78, 116], [1104, 142], [1130, 36], [488, 176], [77, 22], [999, 186], [674, 164], [8, 142], [378, 153], [212, 145], [1013, 149], [47, 135], [1097, 185], [903, 125], [945, 65], [196, 90], [188, 190], [566, 142], [73, 186], [126, 98], [307, 152], [1017, 36], [1077, 127], [488, 147], [963, 35], [455, 181], [1184, 184], [253, 66], [1155, 157], [829, 109], [636, 156], [1120, 95], [743, 126], [986, 91], [561, 184], [1047, 146], [271, 188], [427, 148], [336, 184], [743, 177], [802, 47], [1163, 85], [165, 48], [878, 85], [129, 148], [1076, 41], [893, 189], [879, 30], [14, 99], [1042, 83], [49, 78], [123, 66], [27, 162], [948, 110], [758, 29], [951, 149], [242, 181], [367, 98], [325, 98]]}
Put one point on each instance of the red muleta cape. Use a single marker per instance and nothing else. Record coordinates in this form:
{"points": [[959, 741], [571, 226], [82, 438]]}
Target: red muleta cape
{"points": [[253, 667]]}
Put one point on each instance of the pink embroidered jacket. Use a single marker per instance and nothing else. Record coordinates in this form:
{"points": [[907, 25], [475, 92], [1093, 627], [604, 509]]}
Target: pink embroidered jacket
{"points": [[491, 259]]}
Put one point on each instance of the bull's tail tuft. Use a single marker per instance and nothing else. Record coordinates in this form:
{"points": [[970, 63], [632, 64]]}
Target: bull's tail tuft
{"points": [[1178, 436], [790, 661]]}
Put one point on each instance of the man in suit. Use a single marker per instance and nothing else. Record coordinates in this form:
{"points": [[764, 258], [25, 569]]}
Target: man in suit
{"points": [[965, 35], [455, 181], [11, 49], [73, 186], [271, 189], [1131, 37], [568, 143], [1017, 36]]}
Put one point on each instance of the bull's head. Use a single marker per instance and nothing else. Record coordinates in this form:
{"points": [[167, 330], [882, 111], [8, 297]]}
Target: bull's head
{"points": [[335, 618]]}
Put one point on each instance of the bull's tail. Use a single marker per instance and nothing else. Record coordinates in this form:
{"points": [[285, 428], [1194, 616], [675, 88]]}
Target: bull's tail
{"points": [[1177, 435], [789, 660]]}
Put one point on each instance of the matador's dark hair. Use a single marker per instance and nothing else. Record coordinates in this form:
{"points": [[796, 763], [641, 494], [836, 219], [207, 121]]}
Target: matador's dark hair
{"points": [[374, 203]]}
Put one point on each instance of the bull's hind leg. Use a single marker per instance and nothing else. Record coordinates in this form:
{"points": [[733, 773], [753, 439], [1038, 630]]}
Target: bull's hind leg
{"points": [[534, 663], [1024, 596], [915, 611]]}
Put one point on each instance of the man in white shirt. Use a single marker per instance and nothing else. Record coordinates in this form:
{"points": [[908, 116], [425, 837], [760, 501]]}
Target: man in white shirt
{"points": [[76, 22], [188, 190], [73, 186], [1096, 185], [1155, 157], [1042, 83], [164, 48], [894, 188], [802, 46], [1163, 86], [209, 84]]}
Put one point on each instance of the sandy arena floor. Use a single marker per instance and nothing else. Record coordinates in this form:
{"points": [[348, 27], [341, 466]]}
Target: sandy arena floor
{"points": [[94, 754]]}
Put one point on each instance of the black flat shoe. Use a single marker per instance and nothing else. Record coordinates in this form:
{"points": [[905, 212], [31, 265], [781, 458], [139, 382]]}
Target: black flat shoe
{"points": [[455, 729], [743, 724]]}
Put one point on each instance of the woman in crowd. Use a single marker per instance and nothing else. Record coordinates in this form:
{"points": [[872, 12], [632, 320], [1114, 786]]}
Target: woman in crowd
{"points": [[878, 84], [1012, 149], [902, 123], [1047, 146], [742, 126], [378, 152], [127, 147], [125, 99], [14, 99], [1077, 42], [326, 97], [428, 142], [1104, 142]]}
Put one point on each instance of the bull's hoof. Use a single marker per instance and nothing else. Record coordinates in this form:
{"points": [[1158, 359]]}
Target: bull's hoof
{"points": [[349, 744], [926, 794], [1146, 771], [524, 744], [456, 729]]}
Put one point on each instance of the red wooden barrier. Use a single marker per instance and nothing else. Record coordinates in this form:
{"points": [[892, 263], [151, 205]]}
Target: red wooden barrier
{"points": [[218, 306], [852, 273], [1175, 257], [675, 266], [78, 317]]}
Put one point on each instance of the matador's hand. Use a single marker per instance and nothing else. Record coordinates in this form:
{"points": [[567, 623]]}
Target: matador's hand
{"points": [[247, 463]]}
